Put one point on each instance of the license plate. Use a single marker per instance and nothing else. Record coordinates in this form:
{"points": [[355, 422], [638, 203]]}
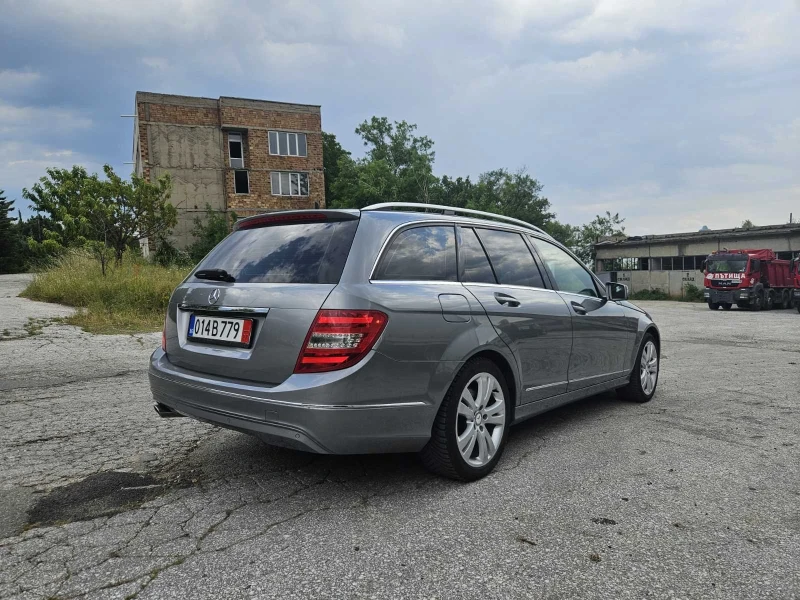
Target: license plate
{"points": [[221, 330]]}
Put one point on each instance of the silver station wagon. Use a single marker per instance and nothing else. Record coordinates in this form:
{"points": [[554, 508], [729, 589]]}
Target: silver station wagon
{"points": [[395, 328]]}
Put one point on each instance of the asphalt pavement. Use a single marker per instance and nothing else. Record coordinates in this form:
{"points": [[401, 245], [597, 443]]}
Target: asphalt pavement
{"points": [[694, 495]]}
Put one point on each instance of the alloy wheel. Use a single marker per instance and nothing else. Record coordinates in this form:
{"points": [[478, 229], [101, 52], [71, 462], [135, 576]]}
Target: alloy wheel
{"points": [[481, 419], [648, 368]]}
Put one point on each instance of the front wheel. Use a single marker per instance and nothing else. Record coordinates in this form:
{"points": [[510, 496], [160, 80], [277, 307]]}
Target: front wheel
{"points": [[713, 305], [644, 377], [470, 430], [726, 305]]}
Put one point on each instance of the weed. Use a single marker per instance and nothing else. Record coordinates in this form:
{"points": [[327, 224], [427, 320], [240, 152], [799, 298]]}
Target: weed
{"points": [[131, 298]]}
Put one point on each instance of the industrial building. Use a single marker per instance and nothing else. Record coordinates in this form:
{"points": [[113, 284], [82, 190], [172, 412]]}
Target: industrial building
{"points": [[669, 262], [232, 154]]}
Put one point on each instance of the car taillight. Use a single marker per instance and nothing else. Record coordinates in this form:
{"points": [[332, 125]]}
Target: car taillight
{"points": [[164, 336], [339, 339]]}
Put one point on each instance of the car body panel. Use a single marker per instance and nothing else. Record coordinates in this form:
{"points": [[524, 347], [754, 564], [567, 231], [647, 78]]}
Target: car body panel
{"points": [[538, 331], [601, 336]]}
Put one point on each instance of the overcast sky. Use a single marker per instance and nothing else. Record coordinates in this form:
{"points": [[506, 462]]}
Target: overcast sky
{"points": [[676, 114]]}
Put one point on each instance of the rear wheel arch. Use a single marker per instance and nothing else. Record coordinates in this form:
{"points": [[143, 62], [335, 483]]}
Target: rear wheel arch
{"points": [[508, 373]]}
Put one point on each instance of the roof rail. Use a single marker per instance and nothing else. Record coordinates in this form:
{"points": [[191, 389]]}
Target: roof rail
{"points": [[454, 210]]}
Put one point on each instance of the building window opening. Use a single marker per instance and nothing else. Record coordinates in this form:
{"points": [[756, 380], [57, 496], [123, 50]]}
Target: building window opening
{"points": [[241, 182], [289, 184], [285, 143], [235, 150]]}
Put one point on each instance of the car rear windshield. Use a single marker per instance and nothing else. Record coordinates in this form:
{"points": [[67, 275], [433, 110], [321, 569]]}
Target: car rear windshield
{"points": [[293, 253]]}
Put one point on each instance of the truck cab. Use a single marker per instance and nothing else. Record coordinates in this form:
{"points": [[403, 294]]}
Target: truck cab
{"points": [[751, 279]]}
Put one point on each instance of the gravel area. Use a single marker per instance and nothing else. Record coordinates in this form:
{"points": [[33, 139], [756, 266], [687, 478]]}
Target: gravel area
{"points": [[694, 495]]}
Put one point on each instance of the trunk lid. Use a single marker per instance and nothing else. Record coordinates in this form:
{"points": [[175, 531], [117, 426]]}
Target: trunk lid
{"points": [[284, 266]]}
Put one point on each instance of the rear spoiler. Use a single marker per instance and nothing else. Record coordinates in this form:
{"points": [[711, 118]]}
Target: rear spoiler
{"points": [[288, 217]]}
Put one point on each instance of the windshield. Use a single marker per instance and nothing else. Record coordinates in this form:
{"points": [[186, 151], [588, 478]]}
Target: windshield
{"points": [[728, 265]]}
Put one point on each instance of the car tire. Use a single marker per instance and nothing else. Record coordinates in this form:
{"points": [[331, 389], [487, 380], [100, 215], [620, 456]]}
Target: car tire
{"points": [[726, 305], [769, 304], [786, 299], [462, 446], [638, 389], [713, 305]]}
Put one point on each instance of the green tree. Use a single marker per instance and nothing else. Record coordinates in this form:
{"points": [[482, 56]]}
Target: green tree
{"points": [[12, 244], [459, 192], [516, 195], [60, 196], [207, 234], [82, 210], [332, 153], [747, 224], [586, 236], [120, 213], [397, 166]]}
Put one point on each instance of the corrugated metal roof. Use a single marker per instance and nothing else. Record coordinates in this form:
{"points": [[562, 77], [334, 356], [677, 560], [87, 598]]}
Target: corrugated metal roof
{"points": [[698, 236]]}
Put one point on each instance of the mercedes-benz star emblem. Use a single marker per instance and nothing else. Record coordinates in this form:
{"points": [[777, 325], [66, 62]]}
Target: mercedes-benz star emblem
{"points": [[213, 296]]}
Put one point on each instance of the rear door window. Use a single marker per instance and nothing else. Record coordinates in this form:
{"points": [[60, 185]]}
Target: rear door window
{"points": [[511, 258], [294, 253], [420, 254], [476, 264]]}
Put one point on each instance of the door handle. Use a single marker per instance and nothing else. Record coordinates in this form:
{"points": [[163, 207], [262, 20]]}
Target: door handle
{"points": [[578, 308], [506, 299]]}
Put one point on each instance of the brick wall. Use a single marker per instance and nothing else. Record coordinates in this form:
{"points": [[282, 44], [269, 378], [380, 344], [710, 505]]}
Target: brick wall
{"points": [[254, 119], [260, 163]]}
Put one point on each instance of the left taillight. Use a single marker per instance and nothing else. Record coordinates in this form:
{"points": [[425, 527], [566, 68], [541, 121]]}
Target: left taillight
{"points": [[164, 336], [338, 339]]}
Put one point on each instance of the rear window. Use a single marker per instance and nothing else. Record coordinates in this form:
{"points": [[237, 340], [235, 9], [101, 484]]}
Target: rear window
{"points": [[296, 253], [420, 254], [512, 261]]}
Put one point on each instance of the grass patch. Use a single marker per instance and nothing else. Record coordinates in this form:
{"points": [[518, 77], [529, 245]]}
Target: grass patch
{"points": [[131, 298]]}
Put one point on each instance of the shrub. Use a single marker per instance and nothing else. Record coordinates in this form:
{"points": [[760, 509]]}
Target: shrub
{"points": [[209, 233], [650, 295], [131, 297], [168, 255], [692, 293]]}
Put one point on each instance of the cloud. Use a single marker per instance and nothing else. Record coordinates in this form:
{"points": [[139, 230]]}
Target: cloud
{"points": [[15, 81], [666, 112], [29, 120], [23, 163], [600, 66]]}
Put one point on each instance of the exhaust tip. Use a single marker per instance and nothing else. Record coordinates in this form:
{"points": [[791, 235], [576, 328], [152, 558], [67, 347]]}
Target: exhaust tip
{"points": [[165, 411]]}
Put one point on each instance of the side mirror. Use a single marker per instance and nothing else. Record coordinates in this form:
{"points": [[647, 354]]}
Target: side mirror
{"points": [[617, 291]]}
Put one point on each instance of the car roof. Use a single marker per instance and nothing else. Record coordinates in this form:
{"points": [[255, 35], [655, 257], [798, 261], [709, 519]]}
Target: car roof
{"points": [[399, 217]]}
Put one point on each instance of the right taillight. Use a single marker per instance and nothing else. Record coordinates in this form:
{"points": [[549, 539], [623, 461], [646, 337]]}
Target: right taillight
{"points": [[339, 339]]}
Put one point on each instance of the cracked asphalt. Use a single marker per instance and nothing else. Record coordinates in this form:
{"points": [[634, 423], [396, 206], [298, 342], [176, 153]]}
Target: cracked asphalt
{"points": [[694, 495]]}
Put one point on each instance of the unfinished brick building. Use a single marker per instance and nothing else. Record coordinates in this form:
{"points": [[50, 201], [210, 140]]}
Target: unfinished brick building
{"points": [[246, 156]]}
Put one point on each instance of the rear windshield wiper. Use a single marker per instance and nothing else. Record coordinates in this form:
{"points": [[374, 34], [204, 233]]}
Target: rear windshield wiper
{"points": [[215, 274]]}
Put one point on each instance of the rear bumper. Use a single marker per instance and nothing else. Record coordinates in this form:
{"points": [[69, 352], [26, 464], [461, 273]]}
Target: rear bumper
{"points": [[727, 296], [327, 416]]}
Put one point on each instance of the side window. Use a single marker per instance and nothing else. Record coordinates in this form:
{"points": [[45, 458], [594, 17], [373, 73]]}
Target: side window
{"points": [[420, 254], [476, 265], [512, 260], [569, 274]]}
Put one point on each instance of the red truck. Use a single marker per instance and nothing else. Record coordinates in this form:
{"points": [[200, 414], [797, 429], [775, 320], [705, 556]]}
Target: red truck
{"points": [[751, 279]]}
